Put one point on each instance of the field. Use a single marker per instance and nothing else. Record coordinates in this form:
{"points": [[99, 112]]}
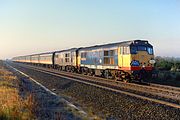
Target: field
{"points": [[12, 105]]}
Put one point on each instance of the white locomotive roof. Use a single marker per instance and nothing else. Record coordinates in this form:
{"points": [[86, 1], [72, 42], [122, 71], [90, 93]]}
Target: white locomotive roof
{"points": [[124, 43]]}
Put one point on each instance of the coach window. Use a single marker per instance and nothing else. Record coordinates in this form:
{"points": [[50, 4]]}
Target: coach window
{"points": [[66, 59], [67, 55]]}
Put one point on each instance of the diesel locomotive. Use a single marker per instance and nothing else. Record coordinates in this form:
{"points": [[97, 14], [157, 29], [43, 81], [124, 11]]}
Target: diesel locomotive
{"points": [[126, 61]]}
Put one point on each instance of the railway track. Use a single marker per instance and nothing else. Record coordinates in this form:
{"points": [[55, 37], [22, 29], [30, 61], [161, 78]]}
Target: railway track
{"points": [[166, 87], [169, 96]]}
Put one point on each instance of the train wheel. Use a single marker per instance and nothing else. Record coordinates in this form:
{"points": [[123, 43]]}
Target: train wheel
{"points": [[117, 76], [125, 80], [123, 76]]}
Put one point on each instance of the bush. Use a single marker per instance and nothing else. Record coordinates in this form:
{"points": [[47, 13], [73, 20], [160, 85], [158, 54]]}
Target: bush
{"points": [[166, 75], [178, 76]]}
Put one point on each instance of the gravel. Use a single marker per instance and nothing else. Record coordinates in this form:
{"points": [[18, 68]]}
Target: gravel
{"points": [[48, 106], [104, 103]]}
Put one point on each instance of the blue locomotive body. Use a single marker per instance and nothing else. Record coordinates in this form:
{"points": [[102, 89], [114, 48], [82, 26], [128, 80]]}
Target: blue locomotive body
{"points": [[99, 57]]}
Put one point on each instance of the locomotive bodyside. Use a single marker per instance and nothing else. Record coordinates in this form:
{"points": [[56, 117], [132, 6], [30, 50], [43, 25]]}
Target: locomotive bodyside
{"points": [[118, 60], [66, 59], [99, 60], [99, 57]]}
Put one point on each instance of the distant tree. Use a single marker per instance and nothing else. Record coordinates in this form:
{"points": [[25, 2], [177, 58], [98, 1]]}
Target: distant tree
{"points": [[176, 66], [164, 64]]}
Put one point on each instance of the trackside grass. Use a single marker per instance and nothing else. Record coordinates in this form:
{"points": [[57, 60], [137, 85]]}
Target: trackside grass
{"points": [[12, 105]]}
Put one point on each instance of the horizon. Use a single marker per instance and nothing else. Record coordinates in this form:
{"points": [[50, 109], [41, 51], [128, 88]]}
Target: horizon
{"points": [[31, 27], [41, 52]]}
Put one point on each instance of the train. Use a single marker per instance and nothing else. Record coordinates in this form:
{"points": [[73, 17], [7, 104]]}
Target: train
{"points": [[122, 61]]}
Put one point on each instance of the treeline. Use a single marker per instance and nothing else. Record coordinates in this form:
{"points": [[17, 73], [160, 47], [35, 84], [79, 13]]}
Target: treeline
{"points": [[167, 63]]}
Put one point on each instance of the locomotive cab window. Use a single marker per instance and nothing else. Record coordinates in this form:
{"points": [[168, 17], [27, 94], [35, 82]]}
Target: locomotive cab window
{"points": [[150, 50], [142, 48], [133, 50]]}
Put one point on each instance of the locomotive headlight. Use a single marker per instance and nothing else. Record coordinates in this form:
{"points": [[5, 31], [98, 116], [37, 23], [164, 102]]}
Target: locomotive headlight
{"points": [[152, 61]]}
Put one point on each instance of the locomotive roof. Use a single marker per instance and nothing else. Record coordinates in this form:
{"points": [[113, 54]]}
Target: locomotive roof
{"points": [[124, 43], [71, 49]]}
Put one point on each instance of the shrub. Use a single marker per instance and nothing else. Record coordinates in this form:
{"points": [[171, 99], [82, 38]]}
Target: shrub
{"points": [[178, 76]]}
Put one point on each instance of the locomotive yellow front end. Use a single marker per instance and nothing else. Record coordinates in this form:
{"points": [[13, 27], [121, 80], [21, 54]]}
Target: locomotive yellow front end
{"points": [[142, 59], [137, 58]]}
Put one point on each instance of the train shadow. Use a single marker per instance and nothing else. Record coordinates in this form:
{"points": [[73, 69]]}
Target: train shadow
{"points": [[141, 83]]}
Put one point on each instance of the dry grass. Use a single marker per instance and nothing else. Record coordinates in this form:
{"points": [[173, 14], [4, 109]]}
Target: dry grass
{"points": [[12, 106]]}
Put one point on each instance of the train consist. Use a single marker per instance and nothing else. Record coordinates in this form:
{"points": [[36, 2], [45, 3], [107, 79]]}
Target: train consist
{"points": [[124, 61]]}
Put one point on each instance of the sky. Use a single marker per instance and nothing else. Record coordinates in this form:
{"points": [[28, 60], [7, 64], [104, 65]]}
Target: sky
{"points": [[36, 26]]}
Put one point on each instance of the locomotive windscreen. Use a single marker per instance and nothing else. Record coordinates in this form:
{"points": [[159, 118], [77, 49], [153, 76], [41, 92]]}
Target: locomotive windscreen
{"points": [[135, 49]]}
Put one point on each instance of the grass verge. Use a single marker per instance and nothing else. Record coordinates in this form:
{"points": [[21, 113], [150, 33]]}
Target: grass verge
{"points": [[12, 105]]}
